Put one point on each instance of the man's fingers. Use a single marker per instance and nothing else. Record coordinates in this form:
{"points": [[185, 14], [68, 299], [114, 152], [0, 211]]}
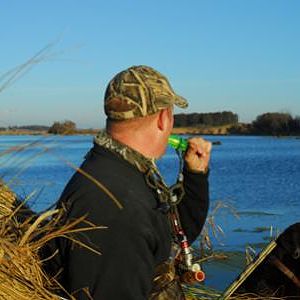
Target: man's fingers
{"points": [[200, 145], [208, 146], [198, 154]]}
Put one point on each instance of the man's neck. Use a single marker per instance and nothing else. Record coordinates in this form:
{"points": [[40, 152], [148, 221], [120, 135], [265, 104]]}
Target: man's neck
{"points": [[141, 144]]}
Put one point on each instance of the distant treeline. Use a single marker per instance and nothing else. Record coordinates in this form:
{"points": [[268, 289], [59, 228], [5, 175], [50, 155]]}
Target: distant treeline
{"points": [[276, 124], [69, 127], [205, 119], [265, 124], [66, 127]]}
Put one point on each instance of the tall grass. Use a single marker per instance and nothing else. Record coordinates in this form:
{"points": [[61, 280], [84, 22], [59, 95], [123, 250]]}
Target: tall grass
{"points": [[21, 273]]}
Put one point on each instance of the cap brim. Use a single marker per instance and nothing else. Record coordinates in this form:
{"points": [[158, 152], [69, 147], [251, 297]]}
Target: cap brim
{"points": [[181, 102]]}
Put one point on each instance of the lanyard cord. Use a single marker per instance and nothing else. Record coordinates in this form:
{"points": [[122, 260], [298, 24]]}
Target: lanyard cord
{"points": [[169, 198], [177, 194]]}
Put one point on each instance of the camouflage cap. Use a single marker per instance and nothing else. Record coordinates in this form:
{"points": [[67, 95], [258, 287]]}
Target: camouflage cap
{"points": [[137, 92]]}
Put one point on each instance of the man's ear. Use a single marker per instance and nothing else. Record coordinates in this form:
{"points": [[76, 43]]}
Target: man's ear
{"points": [[163, 119]]}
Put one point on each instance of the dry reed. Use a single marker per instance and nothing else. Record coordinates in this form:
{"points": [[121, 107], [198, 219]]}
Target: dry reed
{"points": [[21, 273]]}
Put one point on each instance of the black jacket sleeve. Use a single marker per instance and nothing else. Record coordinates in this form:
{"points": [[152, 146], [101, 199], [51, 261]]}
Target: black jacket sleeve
{"points": [[194, 206]]}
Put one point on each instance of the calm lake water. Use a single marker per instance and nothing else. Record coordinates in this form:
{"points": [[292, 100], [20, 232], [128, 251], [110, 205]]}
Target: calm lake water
{"points": [[257, 176]]}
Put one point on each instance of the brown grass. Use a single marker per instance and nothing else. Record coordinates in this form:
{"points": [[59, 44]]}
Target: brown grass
{"points": [[21, 273]]}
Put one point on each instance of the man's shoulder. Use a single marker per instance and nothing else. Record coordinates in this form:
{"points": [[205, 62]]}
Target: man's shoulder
{"points": [[101, 161], [106, 177]]}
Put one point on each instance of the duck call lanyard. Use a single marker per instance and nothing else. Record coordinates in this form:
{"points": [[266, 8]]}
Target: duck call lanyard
{"points": [[169, 198]]}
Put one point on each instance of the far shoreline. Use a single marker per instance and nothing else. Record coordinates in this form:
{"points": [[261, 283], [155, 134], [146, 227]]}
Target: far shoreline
{"points": [[225, 130]]}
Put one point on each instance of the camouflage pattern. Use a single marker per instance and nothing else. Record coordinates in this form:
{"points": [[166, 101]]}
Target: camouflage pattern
{"points": [[166, 283], [137, 92], [135, 158]]}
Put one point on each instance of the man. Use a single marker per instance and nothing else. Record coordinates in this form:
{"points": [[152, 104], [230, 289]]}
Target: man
{"points": [[119, 186]]}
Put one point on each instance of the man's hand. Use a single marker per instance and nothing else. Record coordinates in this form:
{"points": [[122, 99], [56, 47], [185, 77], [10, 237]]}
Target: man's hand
{"points": [[197, 155]]}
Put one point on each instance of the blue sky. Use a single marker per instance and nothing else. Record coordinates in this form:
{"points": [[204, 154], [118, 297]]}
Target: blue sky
{"points": [[238, 55]]}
